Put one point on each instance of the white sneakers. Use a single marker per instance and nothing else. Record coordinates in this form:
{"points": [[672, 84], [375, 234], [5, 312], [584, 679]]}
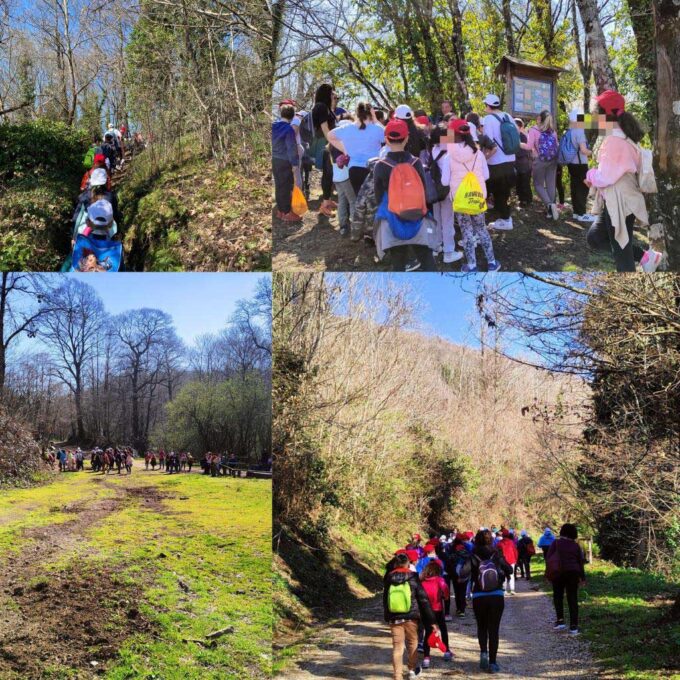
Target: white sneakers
{"points": [[501, 224], [555, 212], [453, 256], [585, 218]]}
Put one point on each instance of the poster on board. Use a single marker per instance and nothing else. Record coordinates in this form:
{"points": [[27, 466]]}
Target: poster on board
{"points": [[530, 95]]}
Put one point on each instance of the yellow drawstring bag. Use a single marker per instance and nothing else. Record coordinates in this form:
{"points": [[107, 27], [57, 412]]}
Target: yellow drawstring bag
{"points": [[298, 202], [469, 198]]}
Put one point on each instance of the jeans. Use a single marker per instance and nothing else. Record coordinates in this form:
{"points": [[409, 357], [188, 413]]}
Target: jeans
{"points": [[282, 172], [500, 183], [443, 217], [488, 612], [346, 201], [579, 191], [402, 254], [404, 634], [568, 581], [601, 233], [441, 622], [544, 173]]}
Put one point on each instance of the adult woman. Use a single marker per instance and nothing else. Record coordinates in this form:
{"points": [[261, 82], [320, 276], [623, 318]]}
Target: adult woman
{"points": [[487, 595], [324, 120], [566, 554], [574, 153], [543, 144], [360, 141]]}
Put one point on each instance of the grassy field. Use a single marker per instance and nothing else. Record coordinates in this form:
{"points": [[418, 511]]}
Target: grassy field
{"points": [[127, 577]]}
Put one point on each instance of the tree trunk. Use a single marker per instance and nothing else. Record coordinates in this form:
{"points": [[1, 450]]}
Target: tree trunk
{"points": [[597, 46], [667, 146], [507, 26]]}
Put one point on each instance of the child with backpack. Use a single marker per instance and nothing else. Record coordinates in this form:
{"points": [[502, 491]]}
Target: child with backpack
{"points": [[285, 160], [438, 594], [405, 605], [486, 569], [468, 166], [399, 187], [544, 146]]}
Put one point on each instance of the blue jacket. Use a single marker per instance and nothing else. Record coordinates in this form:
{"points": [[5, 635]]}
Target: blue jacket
{"points": [[284, 145], [546, 539]]}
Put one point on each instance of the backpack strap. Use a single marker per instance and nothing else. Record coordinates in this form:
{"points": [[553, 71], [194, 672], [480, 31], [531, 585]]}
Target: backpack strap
{"points": [[441, 153], [500, 120]]}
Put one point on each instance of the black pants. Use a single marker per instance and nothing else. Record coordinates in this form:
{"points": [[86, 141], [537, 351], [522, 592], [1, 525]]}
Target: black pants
{"points": [[523, 187], [488, 612], [601, 234], [327, 176], [558, 183], [402, 254], [524, 565], [579, 191], [283, 183], [501, 181], [357, 177], [568, 582], [440, 621], [459, 591], [449, 582]]}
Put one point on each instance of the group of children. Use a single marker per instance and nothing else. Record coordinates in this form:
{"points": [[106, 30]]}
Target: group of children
{"points": [[418, 186], [421, 578]]}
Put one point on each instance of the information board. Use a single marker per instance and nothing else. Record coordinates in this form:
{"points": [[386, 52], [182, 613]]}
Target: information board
{"points": [[531, 96]]}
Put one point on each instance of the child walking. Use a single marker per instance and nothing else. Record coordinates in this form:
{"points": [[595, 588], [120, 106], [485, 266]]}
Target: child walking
{"points": [[284, 160], [438, 594]]}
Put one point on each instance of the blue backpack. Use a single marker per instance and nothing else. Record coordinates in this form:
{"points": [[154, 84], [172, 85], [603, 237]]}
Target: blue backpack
{"points": [[509, 141], [567, 152], [402, 229]]}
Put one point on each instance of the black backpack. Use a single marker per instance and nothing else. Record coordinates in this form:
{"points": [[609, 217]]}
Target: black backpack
{"points": [[436, 174], [307, 133]]}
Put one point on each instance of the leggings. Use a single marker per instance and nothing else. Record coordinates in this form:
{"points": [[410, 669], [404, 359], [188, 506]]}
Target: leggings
{"points": [[327, 176], [357, 177], [579, 191], [601, 233], [402, 254], [568, 581], [459, 592], [474, 229], [544, 173], [441, 622], [488, 612]]}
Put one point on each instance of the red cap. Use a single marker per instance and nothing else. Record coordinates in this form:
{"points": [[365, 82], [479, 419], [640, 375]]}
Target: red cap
{"points": [[430, 547], [396, 131], [434, 641], [416, 537], [99, 158], [423, 120], [289, 102], [611, 102], [459, 125], [505, 533], [412, 555]]}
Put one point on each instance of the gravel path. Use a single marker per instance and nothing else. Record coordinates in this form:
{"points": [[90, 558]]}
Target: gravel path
{"points": [[529, 648]]}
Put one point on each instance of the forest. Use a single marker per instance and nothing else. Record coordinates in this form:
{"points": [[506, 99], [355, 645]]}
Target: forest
{"points": [[395, 51], [72, 372], [193, 79], [564, 406]]}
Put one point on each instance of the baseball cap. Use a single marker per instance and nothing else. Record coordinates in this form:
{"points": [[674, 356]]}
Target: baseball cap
{"points": [[403, 112], [100, 213], [98, 177], [99, 158], [423, 120], [412, 555], [459, 125], [289, 102], [396, 131], [492, 100], [611, 101]]}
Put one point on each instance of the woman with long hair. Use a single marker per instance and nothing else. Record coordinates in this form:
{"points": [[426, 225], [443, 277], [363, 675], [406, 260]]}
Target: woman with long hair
{"points": [[324, 120]]}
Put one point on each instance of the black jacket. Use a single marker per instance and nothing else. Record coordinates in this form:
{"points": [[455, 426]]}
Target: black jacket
{"points": [[522, 546], [420, 605], [471, 567]]}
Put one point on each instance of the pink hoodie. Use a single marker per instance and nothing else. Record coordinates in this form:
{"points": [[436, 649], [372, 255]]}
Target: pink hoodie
{"points": [[617, 157], [463, 160]]}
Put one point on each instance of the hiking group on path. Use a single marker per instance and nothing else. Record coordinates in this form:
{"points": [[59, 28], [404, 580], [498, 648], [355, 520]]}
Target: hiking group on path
{"points": [[95, 241], [415, 186], [420, 581]]}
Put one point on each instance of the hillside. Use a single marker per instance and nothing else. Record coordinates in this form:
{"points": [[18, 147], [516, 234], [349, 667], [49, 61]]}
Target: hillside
{"points": [[20, 460]]}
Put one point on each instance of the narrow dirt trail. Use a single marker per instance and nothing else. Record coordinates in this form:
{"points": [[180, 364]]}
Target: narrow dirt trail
{"points": [[529, 648]]}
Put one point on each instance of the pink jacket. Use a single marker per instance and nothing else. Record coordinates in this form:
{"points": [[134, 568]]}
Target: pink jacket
{"points": [[617, 157], [463, 160], [437, 592]]}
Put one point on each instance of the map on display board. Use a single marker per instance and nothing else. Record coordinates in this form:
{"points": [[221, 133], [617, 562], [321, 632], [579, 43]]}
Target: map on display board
{"points": [[531, 96]]}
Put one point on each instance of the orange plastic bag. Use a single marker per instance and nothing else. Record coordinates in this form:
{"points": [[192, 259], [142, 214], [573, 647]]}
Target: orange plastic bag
{"points": [[298, 202]]}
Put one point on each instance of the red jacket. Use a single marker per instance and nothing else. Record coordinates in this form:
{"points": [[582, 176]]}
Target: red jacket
{"points": [[509, 549], [437, 592]]}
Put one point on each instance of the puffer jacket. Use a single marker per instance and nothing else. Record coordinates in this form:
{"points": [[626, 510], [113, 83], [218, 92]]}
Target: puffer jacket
{"points": [[463, 160], [365, 207], [420, 603]]}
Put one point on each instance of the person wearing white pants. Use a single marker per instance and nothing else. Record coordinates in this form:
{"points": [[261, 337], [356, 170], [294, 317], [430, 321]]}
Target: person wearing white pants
{"points": [[443, 211]]}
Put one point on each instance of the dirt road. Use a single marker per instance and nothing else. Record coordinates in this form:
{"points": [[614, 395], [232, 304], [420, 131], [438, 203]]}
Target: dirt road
{"points": [[529, 648]]}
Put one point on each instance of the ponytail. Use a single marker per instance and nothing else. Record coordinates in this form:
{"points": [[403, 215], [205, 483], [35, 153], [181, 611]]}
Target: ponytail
{"points": [[466, 139], [628, 123], [363, 114]]}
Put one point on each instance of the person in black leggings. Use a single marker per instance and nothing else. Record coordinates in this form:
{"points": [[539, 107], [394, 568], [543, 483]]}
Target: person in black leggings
{"points": [[324, 121], [488, 602], [601, 234]]}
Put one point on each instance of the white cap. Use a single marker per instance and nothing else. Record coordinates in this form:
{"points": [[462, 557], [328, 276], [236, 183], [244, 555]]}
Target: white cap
{"points": [[403, 112], [98, 177], [492, 100], [100, 213]]}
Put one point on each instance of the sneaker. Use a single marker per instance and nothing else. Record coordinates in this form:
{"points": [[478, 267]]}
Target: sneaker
{"points": [[484, 661], [448, 656], [420, 647], [494, 668], [344, 231], [426, 662], [412, 266], [291, 217], [448, 617], [559, 625], [574, 631], [454, 256], [469, 269], [494, 266], [501, 225], [555, 211], [415, 672], [650, 261]]}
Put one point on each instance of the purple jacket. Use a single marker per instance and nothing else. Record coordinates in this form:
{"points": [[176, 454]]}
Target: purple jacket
{"points": [[571, 555]]}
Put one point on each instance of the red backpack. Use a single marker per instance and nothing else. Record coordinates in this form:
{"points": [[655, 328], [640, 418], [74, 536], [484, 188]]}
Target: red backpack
{"points": [[405, 192]]}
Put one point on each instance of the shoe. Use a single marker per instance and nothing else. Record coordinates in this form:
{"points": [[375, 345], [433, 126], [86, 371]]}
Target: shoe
{"points": [[448, 656], [494, 266], [588, 218], [501, 225], [412, 266], [484, 661], [559, 625], [291, 217], [469, 269], [448, 617], [574, 631], [650, 261], [494, 668], [555, 211], [426, 662], [415, 672], [420, 647], [454, 256], [344, 231]]}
